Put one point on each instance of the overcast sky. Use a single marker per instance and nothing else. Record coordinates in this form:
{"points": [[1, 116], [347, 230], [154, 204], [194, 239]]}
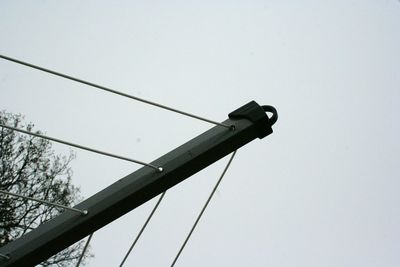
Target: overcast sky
{"points": [[322, 190]]}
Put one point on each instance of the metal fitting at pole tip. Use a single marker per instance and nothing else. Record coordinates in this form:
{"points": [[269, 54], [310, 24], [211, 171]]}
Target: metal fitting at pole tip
{"points": [[272, 110], [85, 212], [160, 169]]}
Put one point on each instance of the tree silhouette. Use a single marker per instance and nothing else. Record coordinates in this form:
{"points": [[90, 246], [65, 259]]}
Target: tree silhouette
{"points": [[29, 167]]}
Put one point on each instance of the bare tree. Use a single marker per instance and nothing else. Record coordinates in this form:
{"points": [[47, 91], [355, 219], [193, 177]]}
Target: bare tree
{"points": [[29, 167]]}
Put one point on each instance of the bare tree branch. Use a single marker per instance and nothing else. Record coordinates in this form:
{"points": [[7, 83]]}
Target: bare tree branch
{"points": [[28, 166]]}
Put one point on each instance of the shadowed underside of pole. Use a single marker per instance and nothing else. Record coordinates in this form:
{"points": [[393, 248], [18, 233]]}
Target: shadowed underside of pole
{"points": [[248, 123]]}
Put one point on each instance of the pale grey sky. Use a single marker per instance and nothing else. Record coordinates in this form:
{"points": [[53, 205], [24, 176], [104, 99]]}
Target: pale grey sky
{"points": [[323, 190]]}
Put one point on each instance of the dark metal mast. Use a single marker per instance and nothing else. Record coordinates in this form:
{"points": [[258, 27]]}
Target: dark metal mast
{"points": [[248, 123]]}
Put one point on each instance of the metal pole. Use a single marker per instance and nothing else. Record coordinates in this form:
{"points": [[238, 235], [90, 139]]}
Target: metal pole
{"points": [[250, 122]]}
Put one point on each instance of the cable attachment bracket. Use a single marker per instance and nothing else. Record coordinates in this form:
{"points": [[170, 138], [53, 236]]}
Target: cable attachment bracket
{"points": [[257, 114]]}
